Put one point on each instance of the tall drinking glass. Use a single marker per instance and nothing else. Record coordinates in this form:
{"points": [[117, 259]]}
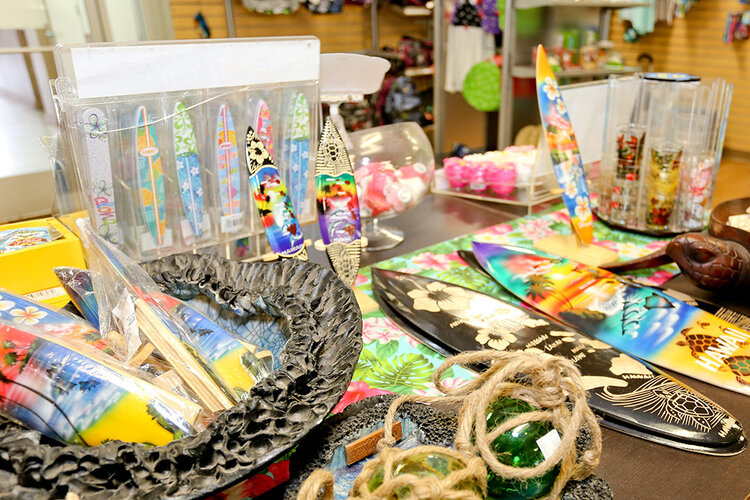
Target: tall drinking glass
{"points": [[629, 156], [664, 177]]}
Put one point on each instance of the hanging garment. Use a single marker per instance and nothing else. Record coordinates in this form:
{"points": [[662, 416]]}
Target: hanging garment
{"points": [[465, 47], [272, 7], [492, 17], [642, 18], [325, 6], [465, 14]]}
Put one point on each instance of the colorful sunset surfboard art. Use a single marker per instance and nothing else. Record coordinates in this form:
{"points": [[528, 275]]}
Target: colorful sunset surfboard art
{"points": [[338, 206], [272, 201], [636, 319], [75, 394]]}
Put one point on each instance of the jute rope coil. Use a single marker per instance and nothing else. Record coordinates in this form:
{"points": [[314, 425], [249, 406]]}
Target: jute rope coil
{"points": [[550, 383]]}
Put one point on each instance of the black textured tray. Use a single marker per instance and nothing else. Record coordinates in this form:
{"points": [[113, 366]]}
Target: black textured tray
{"points": [[427, 425], [324, 328]]}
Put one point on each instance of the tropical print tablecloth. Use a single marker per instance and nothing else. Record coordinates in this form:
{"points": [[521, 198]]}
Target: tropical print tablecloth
{"points": [[393, 362]]}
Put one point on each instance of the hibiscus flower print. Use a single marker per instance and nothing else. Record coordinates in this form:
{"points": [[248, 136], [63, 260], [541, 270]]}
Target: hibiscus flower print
{"points": [[498, 230], [453, 383], [631, 250], [381, 330], [550, 88], [536, 228], [436, 297], [656, 245], [583, 211], [429, 260], [560, 216], [429, 390], [28, 316], [6, 304], [657, 279], [357, 391], [360, 280], [560, 106], [571, 190], [495, 338]]}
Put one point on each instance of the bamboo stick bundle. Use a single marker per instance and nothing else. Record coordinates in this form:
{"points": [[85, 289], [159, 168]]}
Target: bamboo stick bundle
{"points": [[182, 360]]}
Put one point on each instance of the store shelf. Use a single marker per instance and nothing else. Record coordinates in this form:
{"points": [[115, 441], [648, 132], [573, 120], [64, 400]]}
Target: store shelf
{"points": [[419, 71], [612, 4], [412, 10], [530, 72]]}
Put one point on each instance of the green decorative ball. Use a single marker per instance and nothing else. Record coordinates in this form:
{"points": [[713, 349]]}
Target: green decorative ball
{"points": [[482, 86], [518, 447], [423, 465]]}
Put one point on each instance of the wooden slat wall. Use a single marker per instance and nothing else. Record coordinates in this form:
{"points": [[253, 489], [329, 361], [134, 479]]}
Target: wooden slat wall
{"points": [[345, 32], [695, 45]]}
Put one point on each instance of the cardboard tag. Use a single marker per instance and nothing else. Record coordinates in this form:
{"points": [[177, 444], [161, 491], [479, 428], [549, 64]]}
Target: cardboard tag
{"points": [[549, 443], [366, 446]]}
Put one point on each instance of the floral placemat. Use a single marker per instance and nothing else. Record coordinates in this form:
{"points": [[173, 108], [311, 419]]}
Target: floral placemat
{"points": [[393, 362]]}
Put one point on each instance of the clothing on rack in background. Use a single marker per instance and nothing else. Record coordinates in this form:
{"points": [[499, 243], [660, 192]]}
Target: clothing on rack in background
{"points": [[272, 7], [643, 19], [492, 13], [466, 44], [325, 6]]}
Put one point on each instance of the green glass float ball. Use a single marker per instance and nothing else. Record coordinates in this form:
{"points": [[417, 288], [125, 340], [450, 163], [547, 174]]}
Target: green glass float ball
{"points": [[518, 447], [423, 465]]}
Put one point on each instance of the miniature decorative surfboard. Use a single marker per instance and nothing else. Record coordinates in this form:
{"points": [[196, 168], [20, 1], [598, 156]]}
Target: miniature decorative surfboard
{"points": [[229, 172], [338, 206], [297, 149], [188, 169], [76, 395], [271, 199], [239, 364], [78, 286], [638, 320], [24, 311], [150, 176], [263, 126], [563, 148], [98, 169], [632, 397]]}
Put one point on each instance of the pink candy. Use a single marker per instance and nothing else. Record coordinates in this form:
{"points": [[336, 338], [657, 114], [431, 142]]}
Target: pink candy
{"points": [[502, 180], [478, 176], [384, 189]]}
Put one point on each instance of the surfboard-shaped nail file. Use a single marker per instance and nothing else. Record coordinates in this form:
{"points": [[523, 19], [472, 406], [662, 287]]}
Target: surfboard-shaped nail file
{"points": [[263, 125], [150, 176], [297, 149], [563, 149], [636, 319], [272, 201], [98, 169], [630, 396], [188, 169], [338, 206], [229, 168]]}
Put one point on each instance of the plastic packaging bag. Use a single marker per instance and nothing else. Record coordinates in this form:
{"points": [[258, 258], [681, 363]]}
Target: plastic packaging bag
{"points": [[146, 316], [239, 363], [72, 392]]}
